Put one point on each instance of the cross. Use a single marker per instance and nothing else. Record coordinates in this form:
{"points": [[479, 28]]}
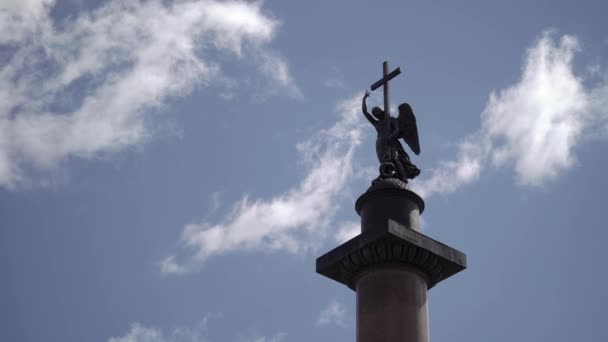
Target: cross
{"points": [[386, 76]]}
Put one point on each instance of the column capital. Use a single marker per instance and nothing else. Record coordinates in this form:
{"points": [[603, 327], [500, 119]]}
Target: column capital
{"points": [[395, 246]]}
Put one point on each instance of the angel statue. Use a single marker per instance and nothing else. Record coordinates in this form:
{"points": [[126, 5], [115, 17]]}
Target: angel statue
{"points": [[394, 162]]}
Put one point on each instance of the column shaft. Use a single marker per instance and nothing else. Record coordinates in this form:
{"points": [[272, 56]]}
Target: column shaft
{"points": [[392, 306]]}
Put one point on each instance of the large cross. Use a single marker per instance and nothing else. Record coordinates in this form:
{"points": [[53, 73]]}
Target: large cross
{"points": [[386, 76]]}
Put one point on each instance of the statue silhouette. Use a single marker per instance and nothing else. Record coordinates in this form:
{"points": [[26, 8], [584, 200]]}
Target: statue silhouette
{"points": [[394, 161]]}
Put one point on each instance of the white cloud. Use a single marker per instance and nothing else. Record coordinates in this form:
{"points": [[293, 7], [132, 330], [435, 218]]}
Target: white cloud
{"points": [[533, 125], [275, 68], [276, 338], [19, 18], [333, 83], [140, 333], [333, 313], [347, 230], [197, 333], [90, 85], [293, 221], [450, 175], [170, 266], [598, 100], [536, 123]]}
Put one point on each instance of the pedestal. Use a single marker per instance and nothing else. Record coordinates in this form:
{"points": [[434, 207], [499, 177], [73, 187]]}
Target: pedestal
{"points": [[391, 265]]}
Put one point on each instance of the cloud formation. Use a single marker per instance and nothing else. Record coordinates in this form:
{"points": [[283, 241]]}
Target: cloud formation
{"points": [[293, 221], [141, 333], [276, 338], [90, 85], [347, 230], [197, 333], [333, 313], [533, 125]]}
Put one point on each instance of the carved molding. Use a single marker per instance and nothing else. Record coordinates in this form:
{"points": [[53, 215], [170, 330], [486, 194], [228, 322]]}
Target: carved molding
{"points": [[396, 247]]}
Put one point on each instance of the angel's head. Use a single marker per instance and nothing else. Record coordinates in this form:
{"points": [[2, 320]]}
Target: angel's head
{"points": [[378, 113]]}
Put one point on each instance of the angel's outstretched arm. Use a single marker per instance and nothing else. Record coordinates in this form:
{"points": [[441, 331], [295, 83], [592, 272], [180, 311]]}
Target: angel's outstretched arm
{"points": [[369, 117]]}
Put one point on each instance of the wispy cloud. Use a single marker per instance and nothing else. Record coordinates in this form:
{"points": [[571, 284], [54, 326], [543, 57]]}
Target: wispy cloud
{"points": [[333, 313], [197, 333], [169, 265], [276, 338], [141, 333], [276, 68], [532, 126], [598, 100], [333, 83], [293, 221], [347, 230], [90, 85]]}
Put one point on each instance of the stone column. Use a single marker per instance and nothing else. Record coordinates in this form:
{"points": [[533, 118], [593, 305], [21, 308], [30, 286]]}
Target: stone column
{"points": [[391, 306], [391, 265], [391, 297]]}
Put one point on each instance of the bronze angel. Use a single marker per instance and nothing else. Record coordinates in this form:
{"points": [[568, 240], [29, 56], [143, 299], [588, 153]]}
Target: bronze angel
{"points": [[394, 162]]}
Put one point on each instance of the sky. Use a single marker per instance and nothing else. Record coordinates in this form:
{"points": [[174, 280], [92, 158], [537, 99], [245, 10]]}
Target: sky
{"points": [[170, 170]]}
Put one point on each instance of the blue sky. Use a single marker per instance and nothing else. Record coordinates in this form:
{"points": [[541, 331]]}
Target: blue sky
{"points": [[170, 170]]}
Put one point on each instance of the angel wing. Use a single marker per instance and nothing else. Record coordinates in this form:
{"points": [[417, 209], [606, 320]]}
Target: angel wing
{"points": [[408, 130]]}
